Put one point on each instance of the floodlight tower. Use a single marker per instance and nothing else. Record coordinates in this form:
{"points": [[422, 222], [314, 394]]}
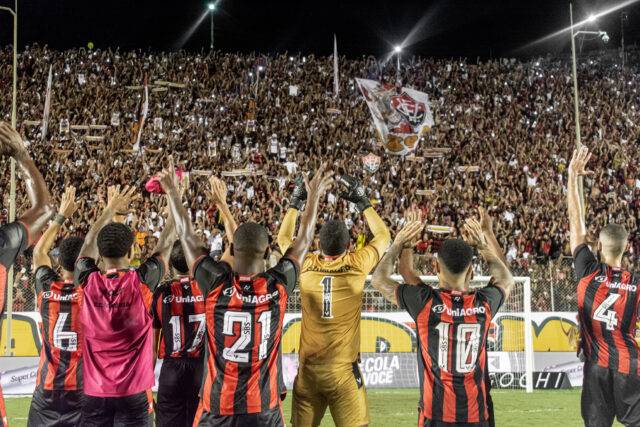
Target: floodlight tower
{"points": [[605, 39], [212, 8], [398, 50]]}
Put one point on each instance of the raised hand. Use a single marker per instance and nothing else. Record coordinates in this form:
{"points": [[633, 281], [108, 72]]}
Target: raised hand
{"points": [[319, 184], [413, 214], [579, 161], [473, 234], [354, 192], [299, 194], [409, 232], [218, 190], [121, 199], [11, 141], [68, 205], [168, 178], [486, 222]]}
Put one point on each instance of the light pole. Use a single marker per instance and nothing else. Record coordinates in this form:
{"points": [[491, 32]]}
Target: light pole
{"points": [[605, 38], [212, 7], [12, 187], [398, 50], [623, 21]]}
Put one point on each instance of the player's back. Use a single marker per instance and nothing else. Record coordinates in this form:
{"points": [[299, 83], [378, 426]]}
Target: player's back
{"points": [[452, 330], [59, 303], [178, 310], [331, 295], [117, 334], [608, 312]]}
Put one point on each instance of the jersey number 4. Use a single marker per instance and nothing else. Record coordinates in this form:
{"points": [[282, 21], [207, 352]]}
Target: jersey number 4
{"points": [[467, 346], [237, 353], [603, 314]]}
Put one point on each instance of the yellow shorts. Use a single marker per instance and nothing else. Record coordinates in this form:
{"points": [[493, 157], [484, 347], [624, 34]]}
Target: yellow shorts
{"points": [[340, 387]]}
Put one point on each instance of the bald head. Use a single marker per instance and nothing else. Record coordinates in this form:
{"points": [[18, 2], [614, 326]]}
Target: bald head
{"points": [[251, 239], [613, 240]]}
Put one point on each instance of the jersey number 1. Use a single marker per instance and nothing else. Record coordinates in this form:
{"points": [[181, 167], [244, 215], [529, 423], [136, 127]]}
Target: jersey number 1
{"points": [[327, 297]]}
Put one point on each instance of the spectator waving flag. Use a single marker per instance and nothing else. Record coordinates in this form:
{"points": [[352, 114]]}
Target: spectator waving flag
{"points": [[47, 105], [142, 116], [400, 115], [336, 85]]}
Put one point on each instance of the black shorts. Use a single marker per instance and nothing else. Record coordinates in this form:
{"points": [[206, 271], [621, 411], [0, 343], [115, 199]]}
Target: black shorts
{"points": [[271, 418], [134, 410], [178, 388], [55, 408], [607, 394]]}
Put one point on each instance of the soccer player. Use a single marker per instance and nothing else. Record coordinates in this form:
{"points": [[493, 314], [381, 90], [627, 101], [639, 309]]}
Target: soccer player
{"points": [[179, 317], [331, 286], [452, 323], [58, 397], [116, 321], [245, 308], [17, 236], [607, 312]]}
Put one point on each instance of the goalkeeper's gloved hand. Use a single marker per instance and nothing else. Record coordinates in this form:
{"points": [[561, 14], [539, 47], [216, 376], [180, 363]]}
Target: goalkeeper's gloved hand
{"points": [[299, 195], [355, 192]]}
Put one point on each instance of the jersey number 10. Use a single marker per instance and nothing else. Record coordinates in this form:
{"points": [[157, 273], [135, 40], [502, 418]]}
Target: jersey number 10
{"points": [[467, 339]]}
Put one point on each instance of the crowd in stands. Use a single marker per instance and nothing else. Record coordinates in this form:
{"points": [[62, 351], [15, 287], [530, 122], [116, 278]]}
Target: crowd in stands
{"points": [[276, 117]]}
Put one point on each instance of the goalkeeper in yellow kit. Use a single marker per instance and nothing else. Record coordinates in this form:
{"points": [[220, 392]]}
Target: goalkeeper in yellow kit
{"points": [[331, 286]]}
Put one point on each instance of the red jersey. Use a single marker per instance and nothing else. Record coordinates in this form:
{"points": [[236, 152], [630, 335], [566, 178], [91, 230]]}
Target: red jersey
{"points": [[244, 326], [608, 312], [452, 330], [59, 303], [178, 310]]}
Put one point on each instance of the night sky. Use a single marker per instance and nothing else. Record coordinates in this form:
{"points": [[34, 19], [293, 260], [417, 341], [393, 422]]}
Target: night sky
{"points": [[441, 28]]}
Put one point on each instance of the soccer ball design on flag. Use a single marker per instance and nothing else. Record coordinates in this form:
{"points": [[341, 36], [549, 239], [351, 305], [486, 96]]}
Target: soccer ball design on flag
{"points": [[400, 115]]}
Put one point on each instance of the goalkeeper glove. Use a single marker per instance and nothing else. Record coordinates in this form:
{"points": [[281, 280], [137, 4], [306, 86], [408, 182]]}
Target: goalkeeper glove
{"points": [[355, 192], [299, 195]]}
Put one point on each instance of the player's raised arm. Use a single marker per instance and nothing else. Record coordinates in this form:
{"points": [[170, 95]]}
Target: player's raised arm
{"points": [[166, 239], [315, 190], [577, 226], [120, 202], [34, 219], [288, 227], [219, 198], [67, 208], [381, 279], [405, 265], [191, 244], [476, 236]]}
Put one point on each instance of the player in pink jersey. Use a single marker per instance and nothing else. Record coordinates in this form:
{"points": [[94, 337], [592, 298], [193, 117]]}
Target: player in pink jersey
{"points": [[116, 320]]}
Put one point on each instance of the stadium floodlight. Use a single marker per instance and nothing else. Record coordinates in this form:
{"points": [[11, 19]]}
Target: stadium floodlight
{"points": [[397, 49], [12, 185], [212, 6], [605, 38]]}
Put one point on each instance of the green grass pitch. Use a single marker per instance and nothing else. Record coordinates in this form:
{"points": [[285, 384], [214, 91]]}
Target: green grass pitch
{"points": [[397, 407]]}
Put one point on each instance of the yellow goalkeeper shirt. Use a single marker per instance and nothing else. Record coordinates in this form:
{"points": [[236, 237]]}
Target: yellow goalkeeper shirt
{"points": [[331, 294]]}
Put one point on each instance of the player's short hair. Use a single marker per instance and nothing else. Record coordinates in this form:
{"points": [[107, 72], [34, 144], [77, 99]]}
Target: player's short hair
{"points": [[69, 250], [251, 238], [114, 240], [455, 255], [177, 258], [334, 237], [613, 238]]}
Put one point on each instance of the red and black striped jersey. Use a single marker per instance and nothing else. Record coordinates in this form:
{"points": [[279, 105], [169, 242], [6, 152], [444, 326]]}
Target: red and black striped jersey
{"points": [[244, 326], [608, 312], [178, 311], [59, 303], [452, 330]]}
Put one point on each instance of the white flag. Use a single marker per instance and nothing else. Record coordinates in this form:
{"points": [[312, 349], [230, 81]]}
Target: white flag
{"points": [[47, 105], [336, 85], [143, 115]]}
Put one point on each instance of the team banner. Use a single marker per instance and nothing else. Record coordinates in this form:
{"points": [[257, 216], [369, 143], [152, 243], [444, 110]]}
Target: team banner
{"points": [[47, 105], [400, 115]]}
